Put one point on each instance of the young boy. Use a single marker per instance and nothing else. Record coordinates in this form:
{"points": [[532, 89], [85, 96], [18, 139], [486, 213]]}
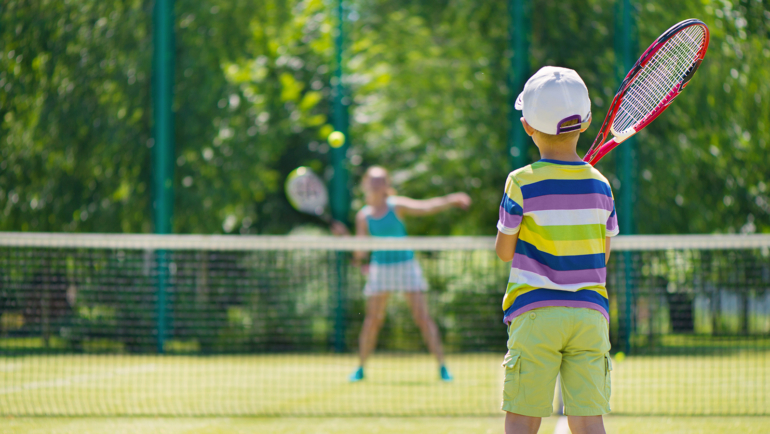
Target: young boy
{"points": [[556, 218]]}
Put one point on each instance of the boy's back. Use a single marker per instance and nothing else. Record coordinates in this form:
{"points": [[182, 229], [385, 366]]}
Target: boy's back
{"points": [[563, 212], [555, 219]]}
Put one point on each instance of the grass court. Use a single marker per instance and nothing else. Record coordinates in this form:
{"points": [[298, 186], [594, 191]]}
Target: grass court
{"points": [[310, 393]]}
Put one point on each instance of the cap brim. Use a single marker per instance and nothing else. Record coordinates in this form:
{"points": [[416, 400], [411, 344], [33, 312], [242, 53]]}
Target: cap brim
{"points": [[519, 105]]}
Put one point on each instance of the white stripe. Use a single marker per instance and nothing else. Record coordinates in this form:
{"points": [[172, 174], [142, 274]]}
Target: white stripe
{"points": [[564, 217], [538, 281], [68, 381]]}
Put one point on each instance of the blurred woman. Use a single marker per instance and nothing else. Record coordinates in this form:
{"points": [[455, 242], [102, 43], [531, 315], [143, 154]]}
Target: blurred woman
{"points": [[395, 271]]}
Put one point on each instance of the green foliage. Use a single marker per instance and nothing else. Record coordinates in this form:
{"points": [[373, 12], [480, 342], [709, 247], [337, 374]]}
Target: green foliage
{"points": [[428, 88], [703, 164], [74, 116]]}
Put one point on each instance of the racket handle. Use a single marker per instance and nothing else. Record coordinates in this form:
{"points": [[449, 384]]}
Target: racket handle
{"points": [[601, 152]]}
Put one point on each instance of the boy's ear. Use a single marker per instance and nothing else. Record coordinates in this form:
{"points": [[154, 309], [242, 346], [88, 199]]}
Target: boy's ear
{"points": [[586, 125], [527, 127]]}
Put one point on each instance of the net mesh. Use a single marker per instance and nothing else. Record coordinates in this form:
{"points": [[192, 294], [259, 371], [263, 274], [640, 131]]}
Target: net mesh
{"points": [[196, 325], [659, 77]]}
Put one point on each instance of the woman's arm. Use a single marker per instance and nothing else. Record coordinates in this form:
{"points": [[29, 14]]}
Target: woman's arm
{"points": [[505, 246], [362, 230], [607, 250], [418, 207]]}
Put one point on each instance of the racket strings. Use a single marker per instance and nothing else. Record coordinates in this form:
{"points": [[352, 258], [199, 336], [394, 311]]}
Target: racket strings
{"points": [[663, 73], [668, 66]]}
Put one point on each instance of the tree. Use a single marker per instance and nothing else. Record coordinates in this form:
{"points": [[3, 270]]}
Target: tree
{"points": [[428, 93]]}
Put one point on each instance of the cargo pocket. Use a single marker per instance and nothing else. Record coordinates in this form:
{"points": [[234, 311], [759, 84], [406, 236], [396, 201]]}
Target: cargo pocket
{"points": [[607, 376], [512, 365]]}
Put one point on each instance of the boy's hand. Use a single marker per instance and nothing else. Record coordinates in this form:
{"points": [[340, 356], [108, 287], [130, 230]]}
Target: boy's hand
{"points": [[460, 200]]}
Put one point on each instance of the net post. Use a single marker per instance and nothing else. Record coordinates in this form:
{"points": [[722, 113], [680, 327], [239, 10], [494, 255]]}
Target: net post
{"points": [[624, 28], [559, 397], [518, 57], [163, 147]]}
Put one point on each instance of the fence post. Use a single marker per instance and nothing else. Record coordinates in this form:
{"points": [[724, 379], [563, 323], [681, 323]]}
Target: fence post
{"points": [[339, 193], [624, 28], [163, 147], [518, 51]]}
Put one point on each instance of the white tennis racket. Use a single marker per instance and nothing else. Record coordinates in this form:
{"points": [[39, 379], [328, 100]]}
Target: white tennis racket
{"points": [[307, 193]]}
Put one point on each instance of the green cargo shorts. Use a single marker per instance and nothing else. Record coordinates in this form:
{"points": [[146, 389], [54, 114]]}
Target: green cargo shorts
{"points": [[549, 340]]}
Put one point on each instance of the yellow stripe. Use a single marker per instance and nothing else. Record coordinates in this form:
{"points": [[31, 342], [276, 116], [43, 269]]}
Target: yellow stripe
{"points": [[557, 172], [562, 248], [513, 191], [568, 232]]}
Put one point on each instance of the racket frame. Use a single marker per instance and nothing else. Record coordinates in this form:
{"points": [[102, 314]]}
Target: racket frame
{"points": [[595, 153]]}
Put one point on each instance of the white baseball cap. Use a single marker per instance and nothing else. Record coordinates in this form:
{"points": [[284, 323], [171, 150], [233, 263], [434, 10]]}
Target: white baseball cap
{"points": [[553, 97]]}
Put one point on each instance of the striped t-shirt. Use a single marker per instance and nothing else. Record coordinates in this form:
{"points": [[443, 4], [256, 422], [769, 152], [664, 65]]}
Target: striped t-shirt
{"points": [[562, 212]]}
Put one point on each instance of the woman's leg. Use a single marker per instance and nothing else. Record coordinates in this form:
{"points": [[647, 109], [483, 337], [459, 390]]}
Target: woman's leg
{"points": [[375, 316], [427, 327]]}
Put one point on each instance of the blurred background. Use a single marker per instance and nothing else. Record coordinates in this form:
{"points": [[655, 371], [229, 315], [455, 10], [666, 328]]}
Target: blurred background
{"points": [[182, 116], [427, 90]]}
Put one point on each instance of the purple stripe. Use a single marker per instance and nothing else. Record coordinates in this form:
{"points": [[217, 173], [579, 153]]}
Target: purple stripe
{"points": [[612, 223], [509, 220], [568, 201], [556, 303], [591, 275]]}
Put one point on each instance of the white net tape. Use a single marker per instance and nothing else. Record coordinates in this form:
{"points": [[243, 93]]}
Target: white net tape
{"points": [[254, 242], [664, 71]]}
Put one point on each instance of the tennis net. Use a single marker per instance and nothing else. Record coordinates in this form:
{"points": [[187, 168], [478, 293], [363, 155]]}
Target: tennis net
{"points": [[94, 324]]}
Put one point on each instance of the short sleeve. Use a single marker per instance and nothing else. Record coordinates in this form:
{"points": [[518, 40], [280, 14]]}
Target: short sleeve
{"points": [[511, 208], [612, 221]]}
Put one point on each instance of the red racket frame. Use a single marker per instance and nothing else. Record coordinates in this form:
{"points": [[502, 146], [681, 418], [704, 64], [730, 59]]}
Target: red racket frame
{"points": [[594, 153]]}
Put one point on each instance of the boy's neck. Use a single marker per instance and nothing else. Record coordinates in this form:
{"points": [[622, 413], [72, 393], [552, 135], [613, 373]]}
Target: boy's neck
{"points": [[563, 152]]}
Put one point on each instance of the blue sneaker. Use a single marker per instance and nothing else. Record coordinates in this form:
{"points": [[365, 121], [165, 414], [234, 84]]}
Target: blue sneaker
{"points": [[357, 375], [445, 375]]}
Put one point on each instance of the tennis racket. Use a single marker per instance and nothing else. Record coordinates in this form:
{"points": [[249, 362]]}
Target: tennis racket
{"points": [[307, 193], [656, 79]]}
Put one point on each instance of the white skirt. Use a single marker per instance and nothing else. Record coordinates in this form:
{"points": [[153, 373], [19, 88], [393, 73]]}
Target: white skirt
{"points": [[405, 276]]}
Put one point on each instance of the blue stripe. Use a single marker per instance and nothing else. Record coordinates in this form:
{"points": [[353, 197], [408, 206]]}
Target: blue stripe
{"points": [[565, 186], [568, 163], [510, 206], [560, 263], [543, 294]]}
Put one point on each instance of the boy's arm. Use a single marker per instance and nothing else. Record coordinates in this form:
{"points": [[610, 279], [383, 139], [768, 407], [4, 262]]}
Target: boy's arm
{"points": [[417, 207], [509, 222], [505, 246], [612, 230]]}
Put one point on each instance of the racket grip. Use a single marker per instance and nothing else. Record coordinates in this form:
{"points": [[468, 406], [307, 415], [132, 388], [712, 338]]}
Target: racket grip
{"points": [[603, 150]]}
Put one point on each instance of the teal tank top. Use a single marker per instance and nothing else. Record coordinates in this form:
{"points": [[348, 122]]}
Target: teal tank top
{"points": [[388, 225]]}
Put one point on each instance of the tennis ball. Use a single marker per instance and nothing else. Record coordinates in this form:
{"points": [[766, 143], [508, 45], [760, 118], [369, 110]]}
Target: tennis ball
{"points": [[336, 139], [620, 356]]}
